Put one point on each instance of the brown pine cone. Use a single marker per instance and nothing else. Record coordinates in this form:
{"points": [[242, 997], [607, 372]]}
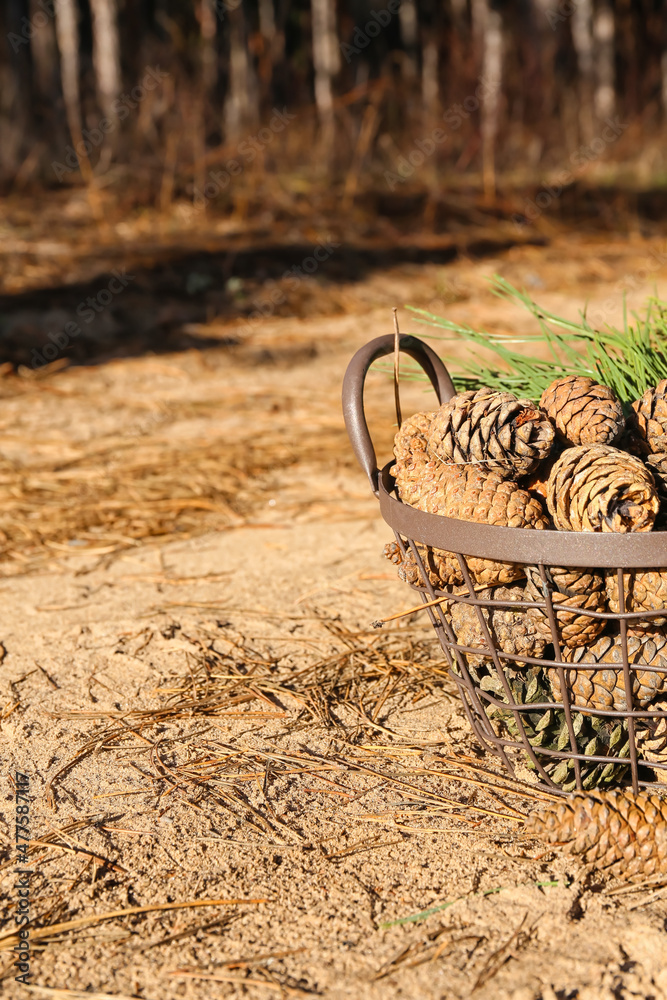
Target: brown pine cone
{"points": [[494, 429], [620, 832], [605, 688], [583, 411], [647, 422], [657, 464], [471, 494], [512, 631], [536, 481], [578, 589], [468, 493], [651, 736], [410, 440], [645, 590], [599, 488], [442, 568]]}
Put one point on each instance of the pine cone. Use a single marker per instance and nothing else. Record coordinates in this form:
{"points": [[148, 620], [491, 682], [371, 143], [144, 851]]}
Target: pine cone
{"points": [[651, 736], [537, 481], [471, 494], [579, 589], [548, 729], [647, 422], [491, 428], [645, 590], [442, 568], [605, 688], [410, 440], [620, 832], [511, 630], [657, 464], [599, 488], [583, 411]]}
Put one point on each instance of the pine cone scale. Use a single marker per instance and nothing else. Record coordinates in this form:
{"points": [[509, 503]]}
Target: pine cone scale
{"points": [[648, 420], [599, 488], [583, 411], [604, 688], [619, 831], [470, 494], [494, 429]]}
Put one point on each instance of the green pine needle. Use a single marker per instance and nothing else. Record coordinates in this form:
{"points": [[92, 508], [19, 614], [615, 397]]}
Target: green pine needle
{"points": [[628, 361]]}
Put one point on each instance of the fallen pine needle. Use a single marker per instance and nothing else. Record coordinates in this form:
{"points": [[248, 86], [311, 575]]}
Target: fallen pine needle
{"points": [[411, 611], [38, 933], [55, 991], [258, 959], [221, 977], [419, 607]]}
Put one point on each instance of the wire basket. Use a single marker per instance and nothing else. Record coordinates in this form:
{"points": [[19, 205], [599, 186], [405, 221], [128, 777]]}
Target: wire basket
{"points": [[508, 698]]}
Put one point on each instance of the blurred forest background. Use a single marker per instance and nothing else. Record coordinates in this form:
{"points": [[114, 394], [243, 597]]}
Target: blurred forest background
{"points": [[211, 147], [229, 105]]}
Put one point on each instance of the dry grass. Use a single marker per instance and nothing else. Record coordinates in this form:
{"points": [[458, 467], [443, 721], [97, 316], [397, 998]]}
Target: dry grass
{"points": [[145, 485], [345, 693]]}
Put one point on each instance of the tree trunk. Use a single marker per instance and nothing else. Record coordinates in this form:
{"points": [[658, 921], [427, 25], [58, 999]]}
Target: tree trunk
{"points": [[430, 83], [241, 103], [582, 38], [15, 117], [208, 27], [106, 54], [270, 46], [326, 59], [603, 32], [488, 29], [44, 55], [407, 15], [67, 35]]}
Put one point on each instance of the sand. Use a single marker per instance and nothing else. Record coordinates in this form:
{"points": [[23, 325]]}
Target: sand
{"points": [[211, 717]]}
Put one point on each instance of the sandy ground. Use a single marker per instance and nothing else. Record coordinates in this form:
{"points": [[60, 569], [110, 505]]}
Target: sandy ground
{"points": [[211, 718]]}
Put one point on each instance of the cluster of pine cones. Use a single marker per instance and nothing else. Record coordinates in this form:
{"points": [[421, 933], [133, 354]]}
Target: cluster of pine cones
{"points": [[574, 463]]}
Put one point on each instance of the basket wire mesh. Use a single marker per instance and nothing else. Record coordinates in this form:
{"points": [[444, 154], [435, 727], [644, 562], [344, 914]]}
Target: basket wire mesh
{"points": [[484, 673]]}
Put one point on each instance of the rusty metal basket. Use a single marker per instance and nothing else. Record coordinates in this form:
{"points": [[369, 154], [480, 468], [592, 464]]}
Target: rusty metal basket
{"points": [[504, 725]]}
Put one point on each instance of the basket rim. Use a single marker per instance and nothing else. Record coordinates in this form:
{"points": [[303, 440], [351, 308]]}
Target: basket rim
{"points": [[547, 547]]}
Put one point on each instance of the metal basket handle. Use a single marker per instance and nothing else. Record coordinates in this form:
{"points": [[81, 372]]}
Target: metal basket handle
{"points": [[353, 392]]}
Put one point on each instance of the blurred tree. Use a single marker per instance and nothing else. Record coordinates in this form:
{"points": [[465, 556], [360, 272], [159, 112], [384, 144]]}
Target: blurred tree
{"points": [[241, 105], [326, 61], [407, 13], [582, 36], [603, 33], [488, 30], [16, 119], [208, 26], [106, 54], [67, 34], [44, 53], [531, 80]]}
